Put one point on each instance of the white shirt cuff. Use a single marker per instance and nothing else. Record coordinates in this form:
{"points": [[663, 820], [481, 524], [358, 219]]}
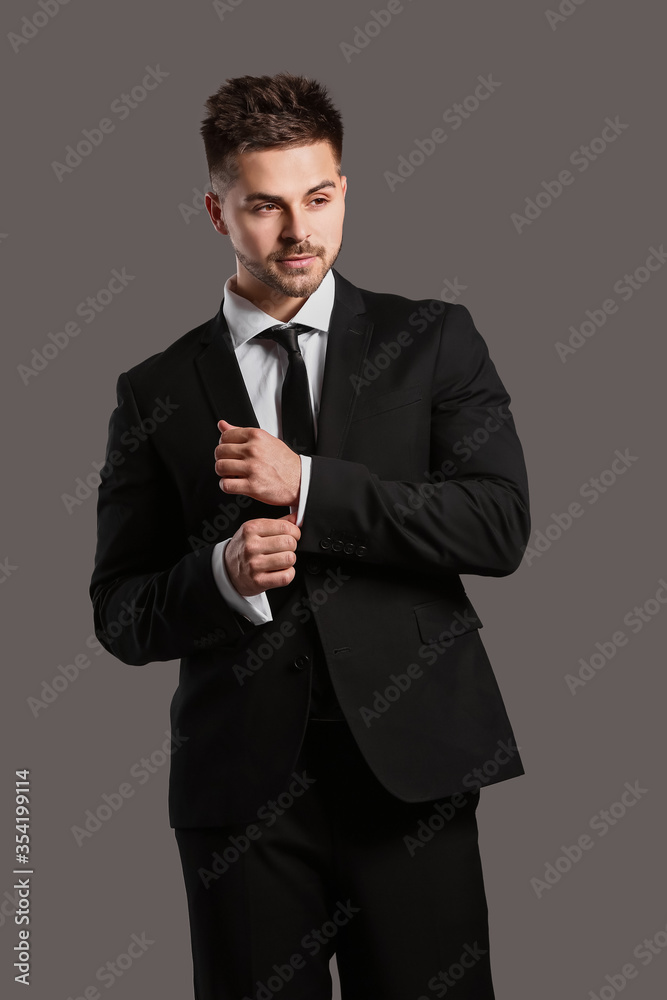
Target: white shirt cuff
{"points": [[256, 608], [306, 462]]}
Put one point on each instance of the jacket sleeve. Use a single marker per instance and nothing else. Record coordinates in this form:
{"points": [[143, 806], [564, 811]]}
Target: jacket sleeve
{"points": [[468, 513], [153, 598]]}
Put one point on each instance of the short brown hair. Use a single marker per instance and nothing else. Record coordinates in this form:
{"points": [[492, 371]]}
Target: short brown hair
{"points": [[249, 113]]}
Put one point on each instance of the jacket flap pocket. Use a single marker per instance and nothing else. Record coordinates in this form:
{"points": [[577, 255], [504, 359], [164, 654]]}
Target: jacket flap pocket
{"points": [[445, 619]]}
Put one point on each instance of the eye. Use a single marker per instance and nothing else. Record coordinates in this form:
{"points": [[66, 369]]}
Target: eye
{"points": [[269, 204]]}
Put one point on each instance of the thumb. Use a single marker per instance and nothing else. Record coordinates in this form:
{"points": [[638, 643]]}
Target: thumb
{"points": [[227, 425], [289, 517]]}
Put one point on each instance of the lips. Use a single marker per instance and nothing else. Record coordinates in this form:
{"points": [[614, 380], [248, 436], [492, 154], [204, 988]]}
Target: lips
{"points": [[296, 262]]}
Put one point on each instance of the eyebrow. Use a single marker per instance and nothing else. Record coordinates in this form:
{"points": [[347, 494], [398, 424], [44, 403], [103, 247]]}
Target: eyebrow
{"points": [[262, 196]]}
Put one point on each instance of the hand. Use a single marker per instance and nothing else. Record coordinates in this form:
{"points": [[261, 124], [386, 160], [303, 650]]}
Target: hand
{"points": [[253, 462], [261, 554]]}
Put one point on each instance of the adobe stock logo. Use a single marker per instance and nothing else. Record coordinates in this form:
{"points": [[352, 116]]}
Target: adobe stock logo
{"points": [[122, 106], [602, 822], [31, 26], [581, 158]]}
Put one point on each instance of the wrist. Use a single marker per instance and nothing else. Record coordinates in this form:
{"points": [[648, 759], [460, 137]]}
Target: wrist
{"points": [[297, 484]]}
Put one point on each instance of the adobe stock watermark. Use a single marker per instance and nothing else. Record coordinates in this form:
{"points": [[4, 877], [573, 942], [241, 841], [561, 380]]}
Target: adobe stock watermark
{"points": [[88, 310], [445, 980], [239, 844], [193, 208], [303, 610], [33, 24], [645, 951], [635, 620], [403, 682], [131, 440], [7, 569], [223, 7], [312, 943], [389, 351], [445, 811], [591, 490], [581, 158], [601, 823], [9, 906], [625, 288], [69, 672], [454, 116], [142, 771], [421, 318], [122, 107], [111, 971], [211, 531], [363, 36], [465, 448], [565, 11]]}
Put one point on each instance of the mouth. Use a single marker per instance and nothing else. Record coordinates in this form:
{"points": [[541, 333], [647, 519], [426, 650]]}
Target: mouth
{"points": [[297, 262]]}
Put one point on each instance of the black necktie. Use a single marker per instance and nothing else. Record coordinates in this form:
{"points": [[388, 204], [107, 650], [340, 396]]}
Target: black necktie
{"points": [[297, 415]]}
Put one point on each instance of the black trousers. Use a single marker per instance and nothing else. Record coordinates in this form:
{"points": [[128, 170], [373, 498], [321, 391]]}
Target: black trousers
{"points": [[338, 864]]}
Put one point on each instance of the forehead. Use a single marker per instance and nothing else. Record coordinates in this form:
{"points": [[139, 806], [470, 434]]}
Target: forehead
{"points": [[286, 171]]}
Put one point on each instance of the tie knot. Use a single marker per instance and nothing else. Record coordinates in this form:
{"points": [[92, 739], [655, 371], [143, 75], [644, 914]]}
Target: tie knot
{"points": [[285, 334]]}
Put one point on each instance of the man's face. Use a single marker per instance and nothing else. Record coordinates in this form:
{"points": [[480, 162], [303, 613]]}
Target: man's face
{"points": [[286, 203]]}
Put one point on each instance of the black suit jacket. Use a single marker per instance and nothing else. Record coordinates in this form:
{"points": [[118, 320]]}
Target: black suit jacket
{"points": [[418, 476]]}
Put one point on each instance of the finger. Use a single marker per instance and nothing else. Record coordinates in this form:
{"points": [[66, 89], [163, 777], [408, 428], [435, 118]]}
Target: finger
{"points": [[231, 467], [266, 544], [271, 562], [275, 526], [272, 581], [230, 485], [231, 432], [230, 450]]}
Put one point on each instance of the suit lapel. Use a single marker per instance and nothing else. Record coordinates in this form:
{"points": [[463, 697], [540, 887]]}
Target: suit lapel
{"points": [[221, 375], [347, 345]]}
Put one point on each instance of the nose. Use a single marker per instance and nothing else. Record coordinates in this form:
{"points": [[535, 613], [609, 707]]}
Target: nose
{"points": [[296, 227]]}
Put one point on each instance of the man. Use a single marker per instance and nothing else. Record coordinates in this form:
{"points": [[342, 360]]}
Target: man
{"points": [[317, 466]]}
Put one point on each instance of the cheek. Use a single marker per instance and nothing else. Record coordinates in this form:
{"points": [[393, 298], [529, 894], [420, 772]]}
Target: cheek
{"points": [[333, 233], [260, 237]]}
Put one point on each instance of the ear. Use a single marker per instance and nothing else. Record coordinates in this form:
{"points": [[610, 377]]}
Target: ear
{"points": [[214, 210]]}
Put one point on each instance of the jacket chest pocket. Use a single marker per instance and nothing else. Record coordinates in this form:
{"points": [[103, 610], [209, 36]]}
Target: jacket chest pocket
{"points": [[369, 406]]}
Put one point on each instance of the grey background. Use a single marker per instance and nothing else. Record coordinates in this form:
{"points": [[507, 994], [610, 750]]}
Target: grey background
{"points": [[450, 219]]}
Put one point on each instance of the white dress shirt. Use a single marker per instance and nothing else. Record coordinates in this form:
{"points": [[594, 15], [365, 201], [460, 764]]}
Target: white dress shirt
{"points": [[263, 365]]}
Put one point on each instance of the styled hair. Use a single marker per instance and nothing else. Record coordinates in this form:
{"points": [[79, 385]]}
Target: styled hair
{"points": [[250, 113]]}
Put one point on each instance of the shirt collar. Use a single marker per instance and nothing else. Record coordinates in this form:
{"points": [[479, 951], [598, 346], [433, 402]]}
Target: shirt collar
{"points": [[245, 319]]}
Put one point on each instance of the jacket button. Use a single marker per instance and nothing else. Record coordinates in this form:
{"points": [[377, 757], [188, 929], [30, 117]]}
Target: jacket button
{"points": [[325, 543], [313, 566], [361, 550], [337, 545], [348, 548], [301, 662]]}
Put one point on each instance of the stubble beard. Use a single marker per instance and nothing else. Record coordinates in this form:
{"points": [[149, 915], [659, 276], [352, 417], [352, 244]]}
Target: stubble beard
{"points": [[299, 285]]}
